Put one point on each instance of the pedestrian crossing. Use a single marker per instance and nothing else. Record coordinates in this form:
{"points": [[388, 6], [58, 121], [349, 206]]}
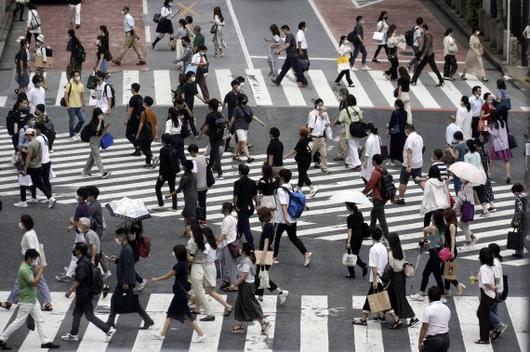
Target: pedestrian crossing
{"points": [[371, 89], [130, 179], [315, 314]]}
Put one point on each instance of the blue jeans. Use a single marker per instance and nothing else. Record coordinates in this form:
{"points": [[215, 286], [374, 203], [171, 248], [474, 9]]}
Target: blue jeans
{"points": [[457, 184], [495, 320], [43, 292], [356, 50], [72, 126], [243, 224]]}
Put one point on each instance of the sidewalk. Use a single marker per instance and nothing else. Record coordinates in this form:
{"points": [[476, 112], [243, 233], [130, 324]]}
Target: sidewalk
{"points": [[55, 25]]}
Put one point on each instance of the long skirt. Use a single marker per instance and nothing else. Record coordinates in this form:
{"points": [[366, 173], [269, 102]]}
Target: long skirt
{"points": [[247, 306], [397, 142], [474, 64], [398, 296]]}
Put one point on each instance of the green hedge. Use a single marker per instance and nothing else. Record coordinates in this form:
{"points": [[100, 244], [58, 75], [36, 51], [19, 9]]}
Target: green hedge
{"points": [[472, 9]]}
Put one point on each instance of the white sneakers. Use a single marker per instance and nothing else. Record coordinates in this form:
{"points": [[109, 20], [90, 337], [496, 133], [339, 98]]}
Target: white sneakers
{"points": [[313, 191], [283, 296], [21, 204], [33, 201], [307, 258], [417, 297], [460, 288], [110, 333], [199, 339], [70, 337], [51, 202]]}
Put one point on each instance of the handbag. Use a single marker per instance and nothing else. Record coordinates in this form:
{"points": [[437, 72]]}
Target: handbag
{"points": [[30, 323], [396, 92], [467, 211], [235, 247], [482, 125], [213, 30], [303, 64], [106, 141], [409, 270], [514, 240], [512, 142], [91, 82], [263, 279], [210, 180], [450, 270], [504, 105], [378, 36], [365, 230], [386, 278], [267, 260], [126, 303], [444, 254], [379, 302], [505, 288], [349, 259]]}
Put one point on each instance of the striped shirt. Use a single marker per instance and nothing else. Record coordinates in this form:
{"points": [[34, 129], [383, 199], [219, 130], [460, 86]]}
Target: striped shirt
{"points": [[443, 169]]}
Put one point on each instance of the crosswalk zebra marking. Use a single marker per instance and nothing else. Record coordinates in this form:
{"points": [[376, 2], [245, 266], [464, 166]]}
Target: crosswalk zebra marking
{"points": [[93, 338], [211, 329], [254, 340], [292, 92], [363, 99], [369, 337], [162, 87], [313, 323], [518, 310], [472, 81], [130, 77], [224, 79], [259, 88], [385, 87], [322, 87], [157, 307], [424, 97], [63, 81], [414, 333], [449, 89], [466, 308], [3, 100], [148, 34]]}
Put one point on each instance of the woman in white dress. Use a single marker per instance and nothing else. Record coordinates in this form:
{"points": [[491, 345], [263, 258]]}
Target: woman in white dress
{"points": [[463, 117], [217, 31], [371, 147], [382, 26], [474, 64]]}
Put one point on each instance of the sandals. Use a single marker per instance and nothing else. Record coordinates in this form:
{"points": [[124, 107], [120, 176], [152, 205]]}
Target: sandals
{"points": [[265, 327], [396, 325], [482, 342], [359, 321], [5, 305], [227, 312], [238, 328]]}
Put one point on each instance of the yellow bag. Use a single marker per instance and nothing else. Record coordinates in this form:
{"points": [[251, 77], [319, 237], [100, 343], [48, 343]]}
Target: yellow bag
{"points": [[342, 60]]}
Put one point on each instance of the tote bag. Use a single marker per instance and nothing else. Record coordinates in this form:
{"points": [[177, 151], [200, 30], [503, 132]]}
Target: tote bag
{"points": [[450, 270], [378, 36], [379, 302]]}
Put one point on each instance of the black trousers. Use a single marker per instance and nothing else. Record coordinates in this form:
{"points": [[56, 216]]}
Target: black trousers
{"points": [[158, 189], [450, 65], [145, 147], [393, 70], [131, 130], [384, 46], [243, 224], [302, 173], [201, 199], [342, 74], [433, 266], [291, 233], [259, 291], [118, 291], [474, 127], [355, 246], [436, 343], [427, 60], [291, 62], [87, 308], [46, 175], [36, 178], [427, 219], [23, 190], [215, 159], [366, 306], [483, 315]]}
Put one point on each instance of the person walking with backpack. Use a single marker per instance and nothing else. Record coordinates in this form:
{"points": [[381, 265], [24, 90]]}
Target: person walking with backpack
{"points": [[382, 27], [352, 114], [283, 221], [412, 161], [450, 50], [94, 130], [167, 170], [132, 121], [214, 126], [104, 94], [85, 287], [381, 189], [147, 131], [77, 53], [356, 37], [131, 39], [74, 98], [414, 39]]}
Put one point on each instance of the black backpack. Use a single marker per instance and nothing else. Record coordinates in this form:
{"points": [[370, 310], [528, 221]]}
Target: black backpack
{"points": [[113, 99], [221, 128], [388, 189], [353, 38], [80, 53], [10, 122], [97, 284], [86, 133], [409, 36]]}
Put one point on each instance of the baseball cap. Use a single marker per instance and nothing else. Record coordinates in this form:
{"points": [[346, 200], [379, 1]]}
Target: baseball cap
{"points": [[30, 131]]}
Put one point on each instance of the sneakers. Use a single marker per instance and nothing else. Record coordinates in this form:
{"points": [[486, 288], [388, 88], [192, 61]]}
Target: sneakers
{"points": [[110, 333], [199, 339], [21, 204], [460, 288], [282, 296], [307, 258], [474, 240], [106, 174], [4, 346], [219, 177], [49, 345], [32, 201], [86, 174], [417, 297], [325, 171], [413, 322], [63, 278], [51, 202], [155, 162], [70, 337], [313, 191], [400, 201], [365, 68], [141, 286], [156, 336]]}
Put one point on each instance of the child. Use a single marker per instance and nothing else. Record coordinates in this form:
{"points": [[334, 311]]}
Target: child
{"points": [[247, 306], [178, 308]]}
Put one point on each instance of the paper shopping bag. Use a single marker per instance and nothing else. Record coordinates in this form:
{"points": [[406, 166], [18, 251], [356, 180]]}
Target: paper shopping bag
{"points": [[267, 260], [379, 302], [450, 270]]}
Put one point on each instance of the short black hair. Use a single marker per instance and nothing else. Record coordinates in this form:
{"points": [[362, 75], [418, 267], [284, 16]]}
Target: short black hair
{"points": [[234, 82], [181, 253], [318, 101], [82, 192], [475, 88], [458, 135], [40, 126], [81, 247], [193, 148], [187, 165], [518, 187], [434, 294], [148, 101], [286, 174], [301, 25], [93, 191], [27, 221], [101, 74], [274, 132], [213, 104], [426, 27], [377, 159], [135, 87], [358, 18], [377, 234], [285, 27], [243, 169], [72, 74], [485, 256], [419, 20], [501, 84], [121, 231], [31, 253]]}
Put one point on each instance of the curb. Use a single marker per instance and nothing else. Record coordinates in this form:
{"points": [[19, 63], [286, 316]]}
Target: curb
{"points": [[7, 25], [464, 27]]}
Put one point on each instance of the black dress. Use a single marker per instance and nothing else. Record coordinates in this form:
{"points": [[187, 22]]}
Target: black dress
{"points": [[398, 295], [397, 141], [178, 308]]}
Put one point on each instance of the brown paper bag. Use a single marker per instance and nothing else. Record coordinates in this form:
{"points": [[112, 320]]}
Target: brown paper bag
{"points": [[268, 258], [40, 64], [379, 302], [450, 270]]}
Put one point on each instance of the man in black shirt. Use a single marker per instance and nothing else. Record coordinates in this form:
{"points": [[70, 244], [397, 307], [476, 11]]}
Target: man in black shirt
{"points": [[275, 151], [291, 59], [189, 89], [245, 196], [135, 108], [210, 127], [185, 115]]}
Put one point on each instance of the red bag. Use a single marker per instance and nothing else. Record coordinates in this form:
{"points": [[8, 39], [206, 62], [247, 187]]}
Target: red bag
{"points": [[452, 201], [144, 246]]}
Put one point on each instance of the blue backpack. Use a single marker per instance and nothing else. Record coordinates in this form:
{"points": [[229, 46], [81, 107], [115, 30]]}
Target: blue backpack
{"points": [[297, 203]]}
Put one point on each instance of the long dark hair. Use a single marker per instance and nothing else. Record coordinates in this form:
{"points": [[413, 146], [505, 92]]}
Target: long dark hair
{"points": [[342, 39], [248, 250], [495, 250], [404, 73], [104, 29], [465, 100], [274, 29], [22, 51], [434, 172], [266, 171], [95, 115], [198, 235], [382, 15], [496, 119], [210, 238], [450, 217], [486, 256], [391, 30], [173, 115], [395, 245], [217, 11]]}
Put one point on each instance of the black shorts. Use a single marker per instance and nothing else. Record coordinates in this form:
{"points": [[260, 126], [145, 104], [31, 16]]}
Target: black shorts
{"points": [[404, 176]]}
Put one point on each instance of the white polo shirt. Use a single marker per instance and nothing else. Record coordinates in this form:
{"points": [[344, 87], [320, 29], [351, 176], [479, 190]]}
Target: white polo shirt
{"points": [[450, 131], [415, 143], [486, 275], [437, 315], [317, 123], [476, 104], [282, 198], [128, 23], [378, 257], [45, 149], [300, 38]]}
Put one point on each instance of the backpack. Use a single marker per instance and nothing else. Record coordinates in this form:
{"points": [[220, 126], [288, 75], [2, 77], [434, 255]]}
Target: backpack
{"points": [[113, 98], [80, 53], [10, 122], [144, 246], [86, 133], [357, 128], [297, 203], [353, 38], [97, 284], [48, 51], [221, 128], [388, 189], [409, 36]]}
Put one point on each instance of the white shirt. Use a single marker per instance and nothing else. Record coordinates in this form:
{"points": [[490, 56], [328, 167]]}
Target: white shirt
{"points": [[378, 258], [418, 33], [414, 142], [128, 23], [197, 58], [486, 275], [36, 96], [437, 315], [476, 104], [463, 120], [33, 16], [282, 198], [317, 123], [300, 38], [164, 12], [229, 229], [449, 42], [29, 241], [171, 128], [44, 147], [371, 147], [450, 131], [497, 271], [102, 99]]}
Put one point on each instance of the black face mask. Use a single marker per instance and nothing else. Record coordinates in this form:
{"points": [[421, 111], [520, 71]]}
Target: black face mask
{"points": [[74, 252]]}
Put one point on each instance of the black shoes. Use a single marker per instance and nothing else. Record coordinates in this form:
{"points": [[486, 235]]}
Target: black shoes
{"points": [[4, 346], [147, 325], [50, 345]]}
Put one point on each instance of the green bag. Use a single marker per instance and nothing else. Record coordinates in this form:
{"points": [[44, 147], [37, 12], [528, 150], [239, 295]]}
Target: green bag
{"points": [[91, 82]]}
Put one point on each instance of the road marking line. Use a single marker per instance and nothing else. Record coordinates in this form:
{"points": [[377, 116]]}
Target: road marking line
{"points": [[144, 6], [255, 341], [239, 33], [324, 24], [466, 308], [3, 101], [414, 333], [162, 87], [156, 308], [187, 8], [130, 77], [363, 100], [147, 34], [472, 81], [450, 90], [424, 97], [385, 86], [292, 92], [322, 87], [212, 330], [369, 337], [259, 88], [313, 323], [224, 78], [518, 310], [94, 339]]}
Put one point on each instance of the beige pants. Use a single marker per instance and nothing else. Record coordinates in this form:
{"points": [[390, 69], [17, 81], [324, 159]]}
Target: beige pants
{"points": [[130, 42], [319, 145], [197, 286], [343, 143], [405, 98]]}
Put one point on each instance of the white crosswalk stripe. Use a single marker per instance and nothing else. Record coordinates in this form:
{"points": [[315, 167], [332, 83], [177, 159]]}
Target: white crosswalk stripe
{"points": [[313, 313], [371, 89], [130, 179]]}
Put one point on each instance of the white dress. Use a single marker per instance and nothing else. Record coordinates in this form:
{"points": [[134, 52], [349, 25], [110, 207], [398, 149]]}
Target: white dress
{"points": [[463, 120], [371, 147]]}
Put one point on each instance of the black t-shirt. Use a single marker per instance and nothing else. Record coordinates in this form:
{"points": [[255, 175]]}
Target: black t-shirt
{"points": [[232, 101], [291, 50], [404, 83], [266, 233], [21, 57], [190, 91], [275, 149], [354, 222], [210, 122], [267, 187], [181, 277], [136, 102], [245, 189], [303, 153]]}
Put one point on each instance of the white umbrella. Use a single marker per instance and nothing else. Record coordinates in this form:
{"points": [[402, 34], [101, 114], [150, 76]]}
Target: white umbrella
{"points": [[468, 172], [129, 209], [350, 196]]}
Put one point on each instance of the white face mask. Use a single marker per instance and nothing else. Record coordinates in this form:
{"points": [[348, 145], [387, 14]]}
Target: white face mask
{"points": [[192, 79], [118, 242], [21, 226], [477, 33]]}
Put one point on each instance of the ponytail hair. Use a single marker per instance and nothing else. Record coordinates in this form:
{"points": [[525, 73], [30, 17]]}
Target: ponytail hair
{"points": [[210, 238], [248, 250]]}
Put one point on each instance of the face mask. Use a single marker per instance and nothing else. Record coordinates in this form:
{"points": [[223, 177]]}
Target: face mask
{"points": [[477, 33], [193, 79], [118, 242], [21, 226], [244, 102], [123, 13], [169, 4]]}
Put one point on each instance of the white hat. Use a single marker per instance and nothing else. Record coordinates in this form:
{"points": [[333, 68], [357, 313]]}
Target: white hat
{"points": [[20, 38], [30, 131], [40, 38]]}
